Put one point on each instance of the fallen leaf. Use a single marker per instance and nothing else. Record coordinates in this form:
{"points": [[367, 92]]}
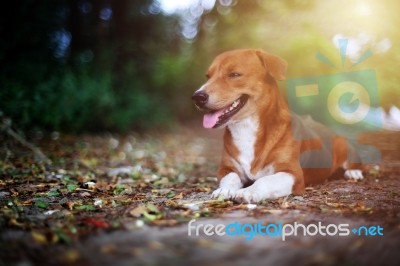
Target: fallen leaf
{"points": [[41, 204], [96, 222], [53, 193], [85, 207], [171, 194], [151, 217], [70, 204], [152, 208], [39, 237], [50, 212], [179, 196], [298, 198], [169, 222], [71, 187], [62, 236], [138, 211], [98, 202]]}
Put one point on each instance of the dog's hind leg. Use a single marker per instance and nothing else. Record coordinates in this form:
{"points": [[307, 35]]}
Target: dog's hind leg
{"points": [[353, 165]]}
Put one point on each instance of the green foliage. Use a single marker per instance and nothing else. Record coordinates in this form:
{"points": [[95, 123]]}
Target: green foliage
{"points": [[76, 101], [85, 208], [135, 70], [104, 79], [41, 204]]}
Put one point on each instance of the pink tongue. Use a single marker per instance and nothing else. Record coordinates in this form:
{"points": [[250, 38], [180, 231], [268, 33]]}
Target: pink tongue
{"points": [[209, 120]]}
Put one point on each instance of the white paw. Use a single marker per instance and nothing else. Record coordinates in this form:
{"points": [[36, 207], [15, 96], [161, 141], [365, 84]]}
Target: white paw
{"points": [[353, 174], [267, 187], [248, 195], [227, 193], [228, 186]]}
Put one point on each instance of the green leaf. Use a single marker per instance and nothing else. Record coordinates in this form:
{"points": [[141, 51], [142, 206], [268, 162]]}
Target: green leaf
{"points": [[85, 208], [170, 194], [115, 203], [136, 175], [41, 204], [71, 187], [72, 229], [118, 189], [220, 198], [150, 217], [63, 236], [152, 208], [53, 193]]}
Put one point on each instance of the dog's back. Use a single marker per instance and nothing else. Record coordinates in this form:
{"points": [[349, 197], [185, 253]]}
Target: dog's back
{"points": [[322, 151]]}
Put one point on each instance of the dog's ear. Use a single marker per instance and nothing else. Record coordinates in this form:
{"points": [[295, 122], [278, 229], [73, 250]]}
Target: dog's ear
{"points": [[276, 66]]}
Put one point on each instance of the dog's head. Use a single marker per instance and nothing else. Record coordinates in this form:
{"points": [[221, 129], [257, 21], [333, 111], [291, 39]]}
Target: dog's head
{"points": [[238, 83]]}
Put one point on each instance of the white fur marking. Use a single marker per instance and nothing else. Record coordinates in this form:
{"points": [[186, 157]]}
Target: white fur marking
{"points": [[267, 170], [353, 174], [228, 186], [267, 187], [244, 135]]}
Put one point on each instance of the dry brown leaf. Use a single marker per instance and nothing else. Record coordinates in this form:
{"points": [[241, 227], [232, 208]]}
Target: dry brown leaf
{"points": [[138, 211], [39, 237], [179, 196]]}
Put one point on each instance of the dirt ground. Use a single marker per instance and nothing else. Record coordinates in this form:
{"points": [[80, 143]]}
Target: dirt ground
{"points": [[127, 200]]}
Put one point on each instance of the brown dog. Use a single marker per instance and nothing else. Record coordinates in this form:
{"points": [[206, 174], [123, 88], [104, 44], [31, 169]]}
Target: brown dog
{"points": [[261, 146]]}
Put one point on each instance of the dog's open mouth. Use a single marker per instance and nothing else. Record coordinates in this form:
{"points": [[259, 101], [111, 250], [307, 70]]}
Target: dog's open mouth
{"points": [[217, 118]]}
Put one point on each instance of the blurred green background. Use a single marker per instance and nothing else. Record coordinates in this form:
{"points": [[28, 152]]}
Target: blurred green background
{"points": [[119, 65]]}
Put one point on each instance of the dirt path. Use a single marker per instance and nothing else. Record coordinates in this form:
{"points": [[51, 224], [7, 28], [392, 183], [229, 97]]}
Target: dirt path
{"points": [[144, 212]]}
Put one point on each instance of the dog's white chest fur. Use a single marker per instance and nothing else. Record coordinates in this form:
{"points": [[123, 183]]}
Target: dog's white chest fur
{"points": [[244, 135]]}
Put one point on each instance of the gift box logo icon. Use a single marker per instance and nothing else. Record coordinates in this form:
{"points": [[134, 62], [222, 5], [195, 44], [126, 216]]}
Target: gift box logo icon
{"points": [[344, 101]]}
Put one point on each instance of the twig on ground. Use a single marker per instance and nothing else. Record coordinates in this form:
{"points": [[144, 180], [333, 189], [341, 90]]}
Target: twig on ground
{"points": [[6, 127]]}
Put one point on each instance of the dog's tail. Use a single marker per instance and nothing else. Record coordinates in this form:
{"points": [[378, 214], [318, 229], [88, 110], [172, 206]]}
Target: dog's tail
{"points": [[391, 119], [381, 119]]}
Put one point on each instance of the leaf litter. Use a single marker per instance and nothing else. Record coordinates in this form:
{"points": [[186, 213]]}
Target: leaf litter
{"points": [[101, 184]]}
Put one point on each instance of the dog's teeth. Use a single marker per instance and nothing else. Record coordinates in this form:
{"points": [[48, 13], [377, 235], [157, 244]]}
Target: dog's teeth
{"points": [[233, 106]]}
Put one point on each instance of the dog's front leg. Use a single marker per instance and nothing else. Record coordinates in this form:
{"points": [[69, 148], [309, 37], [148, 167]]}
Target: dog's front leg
{"points": [[228, 186], [267, 187]]}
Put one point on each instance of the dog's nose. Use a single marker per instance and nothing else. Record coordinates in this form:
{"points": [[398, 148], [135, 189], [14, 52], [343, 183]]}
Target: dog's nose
{"points": [[200, 98]]}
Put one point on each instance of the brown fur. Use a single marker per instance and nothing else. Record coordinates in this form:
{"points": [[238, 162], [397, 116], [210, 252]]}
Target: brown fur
{"points": [[274, 142]]}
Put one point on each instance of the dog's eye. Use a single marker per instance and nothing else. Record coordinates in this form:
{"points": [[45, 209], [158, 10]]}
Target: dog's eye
{"points": [[234, 75]]}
